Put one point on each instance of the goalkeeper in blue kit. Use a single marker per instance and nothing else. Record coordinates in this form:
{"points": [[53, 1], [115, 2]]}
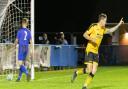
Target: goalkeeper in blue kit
{"points": [[23, 39]]}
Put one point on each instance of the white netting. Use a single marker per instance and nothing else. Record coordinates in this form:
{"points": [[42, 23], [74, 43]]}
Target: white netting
{"points": [[11, 13]]}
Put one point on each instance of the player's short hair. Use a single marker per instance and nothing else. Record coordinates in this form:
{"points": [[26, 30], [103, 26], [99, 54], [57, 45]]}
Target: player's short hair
{"points": [[24, 20], [102, 16]]}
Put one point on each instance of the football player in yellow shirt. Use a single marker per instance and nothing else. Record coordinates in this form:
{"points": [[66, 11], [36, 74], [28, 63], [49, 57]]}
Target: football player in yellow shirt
{"points": [[94, 36]]}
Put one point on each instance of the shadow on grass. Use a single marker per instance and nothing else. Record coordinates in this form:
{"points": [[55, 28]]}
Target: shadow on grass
{"points": [[100, 87]]}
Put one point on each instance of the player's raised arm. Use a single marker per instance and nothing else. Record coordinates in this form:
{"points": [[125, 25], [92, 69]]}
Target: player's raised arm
{"points": [[113, 29]]}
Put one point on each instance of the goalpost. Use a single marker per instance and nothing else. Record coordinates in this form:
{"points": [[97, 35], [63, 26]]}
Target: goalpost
{"points": [[32, 32], [11, 13]]}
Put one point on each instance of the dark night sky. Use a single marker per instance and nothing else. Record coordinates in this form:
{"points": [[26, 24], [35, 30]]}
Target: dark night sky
{"points": [[76, 16]]}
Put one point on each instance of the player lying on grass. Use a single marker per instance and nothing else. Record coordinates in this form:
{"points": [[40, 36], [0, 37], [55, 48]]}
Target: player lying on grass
{"points": [[23, 38], [94, 36]]}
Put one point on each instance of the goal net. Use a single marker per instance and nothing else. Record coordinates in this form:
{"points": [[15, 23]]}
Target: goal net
{"points": [[12, 11]]}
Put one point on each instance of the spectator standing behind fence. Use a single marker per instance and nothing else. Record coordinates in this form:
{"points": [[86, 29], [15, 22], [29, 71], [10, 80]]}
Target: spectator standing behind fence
{"points": [[44, 39], [60, 39]]}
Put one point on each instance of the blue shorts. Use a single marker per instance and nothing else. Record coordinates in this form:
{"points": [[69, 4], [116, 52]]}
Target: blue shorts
{"points": [[22, 52]]}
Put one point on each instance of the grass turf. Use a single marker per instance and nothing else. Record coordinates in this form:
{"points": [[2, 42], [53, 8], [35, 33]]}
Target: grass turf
{"points": [[106, 78]]}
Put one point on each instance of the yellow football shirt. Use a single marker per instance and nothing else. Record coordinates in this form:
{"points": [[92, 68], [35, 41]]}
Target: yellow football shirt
{"points": [[96, 32]]}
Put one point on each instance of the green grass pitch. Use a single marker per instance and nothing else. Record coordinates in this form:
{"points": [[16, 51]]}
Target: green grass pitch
{"points": [[106, 78]]}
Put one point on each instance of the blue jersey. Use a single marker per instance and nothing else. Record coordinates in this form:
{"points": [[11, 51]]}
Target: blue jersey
{"points": [[23, 36]]}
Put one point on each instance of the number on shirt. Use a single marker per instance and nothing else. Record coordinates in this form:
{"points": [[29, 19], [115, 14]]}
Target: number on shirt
{"points": [[25, 37]]}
